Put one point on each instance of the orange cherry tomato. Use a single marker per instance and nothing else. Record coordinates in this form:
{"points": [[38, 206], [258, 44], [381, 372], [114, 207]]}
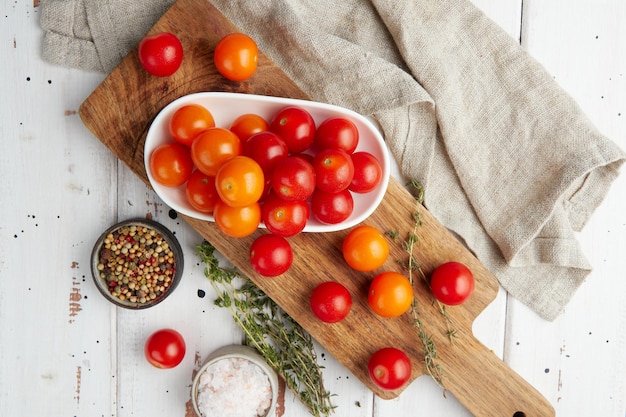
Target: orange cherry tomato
{"points": [[236, 56], [247, 125], [201, 192], [212, 147], [171, 164], [237, 221], [390, 294], [240, 181], [365, 248], [188, 121]]}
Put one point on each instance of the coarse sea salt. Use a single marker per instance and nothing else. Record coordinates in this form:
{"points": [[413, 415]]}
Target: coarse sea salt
{"points": [[234, 387]]}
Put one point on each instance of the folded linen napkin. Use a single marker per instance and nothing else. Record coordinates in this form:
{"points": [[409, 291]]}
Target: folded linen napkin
{"points": [[508, 160]]}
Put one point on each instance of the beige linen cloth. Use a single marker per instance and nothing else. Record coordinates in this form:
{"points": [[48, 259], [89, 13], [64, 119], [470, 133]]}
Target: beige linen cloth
{"points": [[508, 160]]}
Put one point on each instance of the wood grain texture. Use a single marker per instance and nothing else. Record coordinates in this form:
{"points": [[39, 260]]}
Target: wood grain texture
{"points": [[119, 113]]}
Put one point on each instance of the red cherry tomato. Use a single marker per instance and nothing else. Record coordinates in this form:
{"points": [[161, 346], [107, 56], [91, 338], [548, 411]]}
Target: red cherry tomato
{"points": [[296, 126], [171, 164], [334, 170], [284, 218], [266, 148], [389, 368], [271, 255], [332, 208], [165, 348], [452, 283], [338, 133], [293, 179], [236, 56], [161, 54], [331, 302], [201, 192], [367, 172]]}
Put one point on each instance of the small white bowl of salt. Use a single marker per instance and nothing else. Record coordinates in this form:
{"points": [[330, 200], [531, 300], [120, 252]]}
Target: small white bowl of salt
{"points": [[235, 381]]}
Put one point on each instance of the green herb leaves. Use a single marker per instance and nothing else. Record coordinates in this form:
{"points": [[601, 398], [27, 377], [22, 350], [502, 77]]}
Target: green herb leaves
{"points": [[280, 339]]}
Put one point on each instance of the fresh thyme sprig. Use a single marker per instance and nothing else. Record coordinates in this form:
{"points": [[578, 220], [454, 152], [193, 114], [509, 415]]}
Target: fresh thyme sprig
{"points": [[412, 266], [418, 192], [284, 344]]}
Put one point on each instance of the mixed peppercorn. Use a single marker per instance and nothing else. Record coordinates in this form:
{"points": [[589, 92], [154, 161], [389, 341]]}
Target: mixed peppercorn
{"points": [[136, 263]]}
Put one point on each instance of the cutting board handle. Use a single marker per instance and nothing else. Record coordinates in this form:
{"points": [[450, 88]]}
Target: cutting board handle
{"points": [[487, 387]]}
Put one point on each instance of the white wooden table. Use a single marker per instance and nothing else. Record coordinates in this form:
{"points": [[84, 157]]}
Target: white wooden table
{"points": [[65, 351]]}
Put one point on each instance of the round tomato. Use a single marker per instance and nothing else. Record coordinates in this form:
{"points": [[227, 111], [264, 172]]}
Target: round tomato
{"points": [[332, 208], [338, 133], [161, 54], [389, 368], [247, 125], [212, 147], [293, 179], [365, 248], [284, 218], [266, 148], [236, 56], [367, 172], [171, 164], [452, 283], [240, 181], [188, 121], [296, 126], [237, 221], [201, 192], [390, 294], [271, 255], [165, 348], [333, 170], [331, 302]]}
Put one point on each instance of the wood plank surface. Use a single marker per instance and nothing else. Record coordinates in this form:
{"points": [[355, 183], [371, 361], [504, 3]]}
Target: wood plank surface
{"points": [[66, 346], [119, 113]]}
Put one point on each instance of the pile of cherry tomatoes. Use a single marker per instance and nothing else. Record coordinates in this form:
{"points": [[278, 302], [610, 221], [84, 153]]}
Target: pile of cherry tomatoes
{"points": [[279, 171]]}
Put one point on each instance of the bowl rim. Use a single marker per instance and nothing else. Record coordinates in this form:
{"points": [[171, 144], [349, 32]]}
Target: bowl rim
{"points": [[157, 128], [172, 241], [241, 352]]}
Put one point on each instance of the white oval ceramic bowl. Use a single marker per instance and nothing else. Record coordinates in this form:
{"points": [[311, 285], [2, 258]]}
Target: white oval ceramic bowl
{"points": [[242, 352], [226, 107]]}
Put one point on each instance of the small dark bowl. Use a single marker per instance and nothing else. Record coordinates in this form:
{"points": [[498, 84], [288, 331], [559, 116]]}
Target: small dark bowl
{"points": [[107, 286]]}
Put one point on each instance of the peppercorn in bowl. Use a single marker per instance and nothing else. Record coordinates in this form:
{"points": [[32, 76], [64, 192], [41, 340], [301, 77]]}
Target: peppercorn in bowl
{"points": [[137, 263]]}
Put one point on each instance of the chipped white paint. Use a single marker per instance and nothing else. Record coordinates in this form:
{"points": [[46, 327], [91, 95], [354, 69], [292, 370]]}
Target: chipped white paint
{"points": [[62, 344]]}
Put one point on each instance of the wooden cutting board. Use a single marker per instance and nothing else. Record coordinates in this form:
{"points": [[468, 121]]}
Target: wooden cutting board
{"points": [[119, 113]]}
